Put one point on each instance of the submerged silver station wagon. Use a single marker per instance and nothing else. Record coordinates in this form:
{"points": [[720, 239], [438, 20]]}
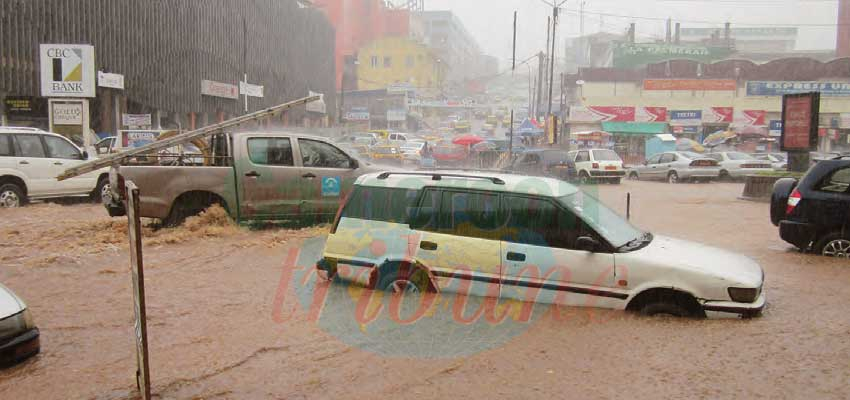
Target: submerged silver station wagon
{"points": [[527, 238]]}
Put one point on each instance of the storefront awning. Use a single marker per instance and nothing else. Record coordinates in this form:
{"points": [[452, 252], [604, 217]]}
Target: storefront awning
{"points": [[636, 128]]}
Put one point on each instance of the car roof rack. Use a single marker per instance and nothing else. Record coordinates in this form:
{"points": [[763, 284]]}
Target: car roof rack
{"points": [[436, 176]]}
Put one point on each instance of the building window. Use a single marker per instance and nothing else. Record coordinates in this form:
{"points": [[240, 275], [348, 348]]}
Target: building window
{"points": [[374, 61], [388, 62], [409, 61]]}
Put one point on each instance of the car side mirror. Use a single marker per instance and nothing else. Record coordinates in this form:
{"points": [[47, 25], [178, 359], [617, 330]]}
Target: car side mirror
{"points": [[354, 164], [587, 243], [85, 155]]}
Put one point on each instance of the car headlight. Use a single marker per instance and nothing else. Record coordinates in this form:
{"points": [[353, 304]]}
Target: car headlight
{"points": [[15, 324], [744, 295]]}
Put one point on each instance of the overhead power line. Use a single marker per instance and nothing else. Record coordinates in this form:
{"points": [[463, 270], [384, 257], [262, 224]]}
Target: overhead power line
{"points": [[706, 22]]}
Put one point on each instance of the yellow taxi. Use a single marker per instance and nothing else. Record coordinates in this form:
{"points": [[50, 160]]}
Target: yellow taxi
{"points": [[387, 153]]}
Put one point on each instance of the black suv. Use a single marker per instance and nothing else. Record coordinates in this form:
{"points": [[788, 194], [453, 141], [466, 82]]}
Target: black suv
{"points": [[552, 163], [814, 213]]}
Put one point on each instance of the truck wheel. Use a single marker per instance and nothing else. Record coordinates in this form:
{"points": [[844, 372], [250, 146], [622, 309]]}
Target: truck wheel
{"points": [[403, 278], [101, 192], [11, 196], [189, 205]]}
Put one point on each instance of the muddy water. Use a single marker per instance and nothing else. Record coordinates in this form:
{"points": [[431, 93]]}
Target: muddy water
{"points": [[220, 327]]}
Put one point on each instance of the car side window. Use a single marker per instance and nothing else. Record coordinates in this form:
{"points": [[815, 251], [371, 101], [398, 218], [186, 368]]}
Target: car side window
{"points": [[5, 145], [583, 156], [471, 214], [270, 151], [60, 148], [28, 146], [539, 222], [716, 157], [838, 182], [318, 154], [425, 216], [654, 159], [666, 158]]}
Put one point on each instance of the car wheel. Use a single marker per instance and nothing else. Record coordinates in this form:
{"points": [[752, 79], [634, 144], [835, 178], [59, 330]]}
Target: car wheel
{"points": [[834, 244], [402, 278], [11, 196], [102, 193], [672, 177], [583, 178], [724, 175], [633, 176], [664, 309]]}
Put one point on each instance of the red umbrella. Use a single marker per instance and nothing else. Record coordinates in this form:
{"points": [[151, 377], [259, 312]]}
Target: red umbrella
{"points": [[468, 140]]}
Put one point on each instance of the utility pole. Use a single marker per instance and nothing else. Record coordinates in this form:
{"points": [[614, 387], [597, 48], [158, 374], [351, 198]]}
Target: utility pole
{"points": [[513, 57], [552, 58], [546, 59], [541, 69], [511, 129]]}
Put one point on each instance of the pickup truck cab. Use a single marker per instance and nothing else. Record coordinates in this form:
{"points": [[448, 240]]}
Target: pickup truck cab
{"points": [[254, 176]]}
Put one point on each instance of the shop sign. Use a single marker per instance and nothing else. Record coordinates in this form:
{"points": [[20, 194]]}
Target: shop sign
{"points": [[25, 106], [718, 115], [680, 129], [136, 119], [686, 117], [398, 114], [357, 114], [629, 55], [844, 121], [67, 70], [800, 122], [602, 113], [651, 114], [690, 84], [108, 80], [67, 114], [750, 118], [775, 127], [218, 89], [137, 138], [780, 88]]}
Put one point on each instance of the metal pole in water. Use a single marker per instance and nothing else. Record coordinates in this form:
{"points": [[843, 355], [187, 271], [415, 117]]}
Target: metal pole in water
{"points": [[628, 205]]}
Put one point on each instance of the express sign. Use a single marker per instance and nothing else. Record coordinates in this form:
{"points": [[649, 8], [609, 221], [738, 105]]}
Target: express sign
{"points": [[67, 70]]}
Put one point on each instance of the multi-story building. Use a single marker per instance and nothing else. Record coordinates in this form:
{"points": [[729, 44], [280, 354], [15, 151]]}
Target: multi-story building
{"points": [[397, 62], [453, 45]]}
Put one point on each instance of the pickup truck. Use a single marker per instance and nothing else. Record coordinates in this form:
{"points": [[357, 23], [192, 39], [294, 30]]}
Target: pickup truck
{"points": [[254, 176]]}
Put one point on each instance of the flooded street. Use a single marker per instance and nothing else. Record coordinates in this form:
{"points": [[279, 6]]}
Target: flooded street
{"points": [[229, 316]]}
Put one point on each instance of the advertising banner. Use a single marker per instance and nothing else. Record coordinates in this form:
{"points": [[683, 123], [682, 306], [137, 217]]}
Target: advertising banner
{"points": [[686, 117], [690, 84], [630, 55], [651, 114], [136, 119], [357, 114], [137, 138], [601, 113], [25, 106], [717, 115], [750, 118], [799, 122], [67, 70], [775, 127], [780, 88]]}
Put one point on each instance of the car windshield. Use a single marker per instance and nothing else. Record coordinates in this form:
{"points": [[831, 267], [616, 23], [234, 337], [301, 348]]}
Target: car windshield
{"points": [[740, 156], [605, 155], [614, 228]]}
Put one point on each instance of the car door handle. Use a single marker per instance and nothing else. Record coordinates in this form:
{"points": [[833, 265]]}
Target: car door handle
{"points": [[515, 256], [252, 174], [426, 245], [57, 163], [24, 162], [308, 175]]}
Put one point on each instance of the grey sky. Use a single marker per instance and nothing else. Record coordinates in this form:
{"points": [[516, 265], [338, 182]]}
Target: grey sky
{"points": [[490, 20]]}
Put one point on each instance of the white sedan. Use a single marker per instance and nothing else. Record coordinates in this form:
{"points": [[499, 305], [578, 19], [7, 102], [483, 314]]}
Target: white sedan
{"points": [[19, 338]]}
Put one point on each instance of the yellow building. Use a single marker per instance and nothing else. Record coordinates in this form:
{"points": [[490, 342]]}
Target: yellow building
{"points": [[397, 60]]}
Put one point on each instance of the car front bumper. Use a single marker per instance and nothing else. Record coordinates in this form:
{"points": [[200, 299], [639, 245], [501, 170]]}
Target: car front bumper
{"points": [[800, 234], [19, 348], [745, 310]]}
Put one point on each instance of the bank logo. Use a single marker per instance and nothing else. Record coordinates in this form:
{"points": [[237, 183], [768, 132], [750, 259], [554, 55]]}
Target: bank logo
{"points": [[67, 70], [330, 186]]}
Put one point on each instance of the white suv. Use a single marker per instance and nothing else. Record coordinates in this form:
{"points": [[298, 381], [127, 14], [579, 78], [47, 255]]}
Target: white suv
{"points": [[30, 160], [528, 238], [598, 165]]}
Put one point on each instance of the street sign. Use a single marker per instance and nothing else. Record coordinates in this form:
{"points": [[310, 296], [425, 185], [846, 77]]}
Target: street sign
{"points": [[136, 119], [318, 106], [250, 90], [67, 70], [218, 89], [800, 122], [134, 230], [108, 80]]}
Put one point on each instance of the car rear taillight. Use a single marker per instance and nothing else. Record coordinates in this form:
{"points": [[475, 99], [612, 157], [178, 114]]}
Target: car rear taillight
{"points": [[793, 200], [596, 165]]}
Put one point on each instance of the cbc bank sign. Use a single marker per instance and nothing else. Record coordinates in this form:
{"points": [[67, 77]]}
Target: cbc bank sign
{"points": [[67, 70]]}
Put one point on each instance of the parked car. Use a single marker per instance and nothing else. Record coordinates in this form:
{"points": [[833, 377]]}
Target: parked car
{"points": [[30, 160], [105, 146], [447, 154], [677, 166], [737, 165], [527, 238], [814, 212], [779, 161], [553, 163], [19, 337], [598, 165], [258, 176], [397, 139]]}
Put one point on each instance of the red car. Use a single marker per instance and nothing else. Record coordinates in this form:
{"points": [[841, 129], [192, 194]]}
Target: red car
{"points": [[449, 154]]}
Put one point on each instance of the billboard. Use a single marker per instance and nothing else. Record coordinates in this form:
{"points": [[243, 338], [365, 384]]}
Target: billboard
{"points": [[749, 118], [717, 115], [781, 88], [650, 114], [67, 70], [800, 122], [602, 113], [628, 55], [690, 84]]}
